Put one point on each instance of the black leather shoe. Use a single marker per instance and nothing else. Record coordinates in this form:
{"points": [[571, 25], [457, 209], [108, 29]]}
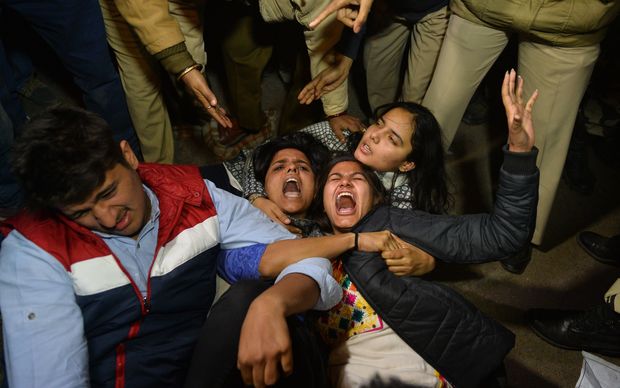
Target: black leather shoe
{"points": [[517, 262], [604, 249], [596, 330]]}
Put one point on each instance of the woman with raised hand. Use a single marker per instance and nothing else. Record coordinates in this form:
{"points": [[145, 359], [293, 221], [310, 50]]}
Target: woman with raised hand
{"points": [[407, 328]]}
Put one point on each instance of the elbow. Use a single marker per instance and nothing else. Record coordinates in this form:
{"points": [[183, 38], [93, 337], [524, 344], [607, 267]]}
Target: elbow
{"points": [[268, 270], [518, 240]]}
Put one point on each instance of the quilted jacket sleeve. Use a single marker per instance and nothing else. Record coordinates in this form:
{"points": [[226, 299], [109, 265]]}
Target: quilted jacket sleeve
{"points": [[476, 238]]}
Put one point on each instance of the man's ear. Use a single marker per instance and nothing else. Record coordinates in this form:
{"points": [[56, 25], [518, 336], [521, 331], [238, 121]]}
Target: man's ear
{"points": [[406, 166], [128, 154]]}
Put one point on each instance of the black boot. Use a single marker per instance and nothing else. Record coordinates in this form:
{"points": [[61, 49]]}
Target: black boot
{"points": [[604, 249], [516, 263], [596, 330]]}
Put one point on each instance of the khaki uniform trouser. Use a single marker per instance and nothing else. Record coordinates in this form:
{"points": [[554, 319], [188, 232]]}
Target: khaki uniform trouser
{"points": [[561, 74], [384, 52], [611, 296], [319, 41], [244, 60], [141, 75]]}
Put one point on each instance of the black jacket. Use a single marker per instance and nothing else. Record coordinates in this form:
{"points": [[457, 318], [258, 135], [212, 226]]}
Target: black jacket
{"points": [[450, 333]]}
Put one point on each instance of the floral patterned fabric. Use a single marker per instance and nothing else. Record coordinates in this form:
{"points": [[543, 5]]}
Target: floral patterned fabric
{"points": [[351, 316]]}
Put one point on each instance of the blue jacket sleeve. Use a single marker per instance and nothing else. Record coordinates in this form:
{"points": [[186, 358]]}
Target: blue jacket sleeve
{"points": [[44, 342]]}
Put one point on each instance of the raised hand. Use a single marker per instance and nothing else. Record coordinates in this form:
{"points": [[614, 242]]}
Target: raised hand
{"points": [[520, 127], [352, 13]]}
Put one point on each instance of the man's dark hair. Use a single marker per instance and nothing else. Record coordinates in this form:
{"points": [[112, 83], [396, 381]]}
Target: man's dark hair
{"points": [[317, 153], [63, 155]]}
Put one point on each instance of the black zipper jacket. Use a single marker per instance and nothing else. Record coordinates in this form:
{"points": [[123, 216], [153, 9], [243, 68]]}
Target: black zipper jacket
{"points": [[450, 333]]}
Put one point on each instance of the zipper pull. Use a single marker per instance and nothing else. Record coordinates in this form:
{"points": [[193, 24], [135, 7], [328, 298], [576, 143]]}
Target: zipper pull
{"points": [[147, 305]]}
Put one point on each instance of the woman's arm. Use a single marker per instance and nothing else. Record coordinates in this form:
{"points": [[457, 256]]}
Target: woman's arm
{"points": [[484, 237], [280, 254]]}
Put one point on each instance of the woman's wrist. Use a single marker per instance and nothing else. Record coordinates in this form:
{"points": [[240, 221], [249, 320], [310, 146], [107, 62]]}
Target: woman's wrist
{"points": [[352, 239]]}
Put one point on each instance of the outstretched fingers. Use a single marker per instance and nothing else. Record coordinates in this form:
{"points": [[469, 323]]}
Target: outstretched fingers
{"points": [[518, 112], [307, 94], [530, 103], [520, 90]]}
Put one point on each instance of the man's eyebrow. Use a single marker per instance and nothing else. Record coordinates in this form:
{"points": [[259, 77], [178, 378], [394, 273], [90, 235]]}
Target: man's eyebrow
{"points": [[73, 213], [106, 191]]}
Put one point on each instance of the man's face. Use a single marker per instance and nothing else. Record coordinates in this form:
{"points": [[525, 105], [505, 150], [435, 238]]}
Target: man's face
{"points": [[119, 206], [290, 182], [347, 196]]}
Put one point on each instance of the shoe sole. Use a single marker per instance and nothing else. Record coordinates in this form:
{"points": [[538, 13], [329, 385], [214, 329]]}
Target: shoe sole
{"points": [[595, 256], [611, 353]]}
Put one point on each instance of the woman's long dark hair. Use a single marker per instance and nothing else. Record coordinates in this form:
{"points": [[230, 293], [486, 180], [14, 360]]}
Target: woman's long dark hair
{"points": [[428, 180], [317, 211]]}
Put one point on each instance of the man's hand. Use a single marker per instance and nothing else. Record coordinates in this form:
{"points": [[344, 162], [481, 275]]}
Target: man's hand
{"points": [[408, 260], [274, 212], [520, 127], [327, 80], [196, 83], [340, 123], [352, 13], [265, 345]]}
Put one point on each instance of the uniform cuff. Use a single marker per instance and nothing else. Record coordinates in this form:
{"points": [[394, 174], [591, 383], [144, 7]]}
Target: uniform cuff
{"points": [[175, 59]]}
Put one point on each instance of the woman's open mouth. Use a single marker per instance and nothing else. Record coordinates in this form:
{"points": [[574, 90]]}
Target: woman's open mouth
{"points": [[291, 188], [345, 203]]}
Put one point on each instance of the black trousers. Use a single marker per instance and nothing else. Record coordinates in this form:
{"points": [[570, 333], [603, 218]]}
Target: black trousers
{"points": [[214, 363]]}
